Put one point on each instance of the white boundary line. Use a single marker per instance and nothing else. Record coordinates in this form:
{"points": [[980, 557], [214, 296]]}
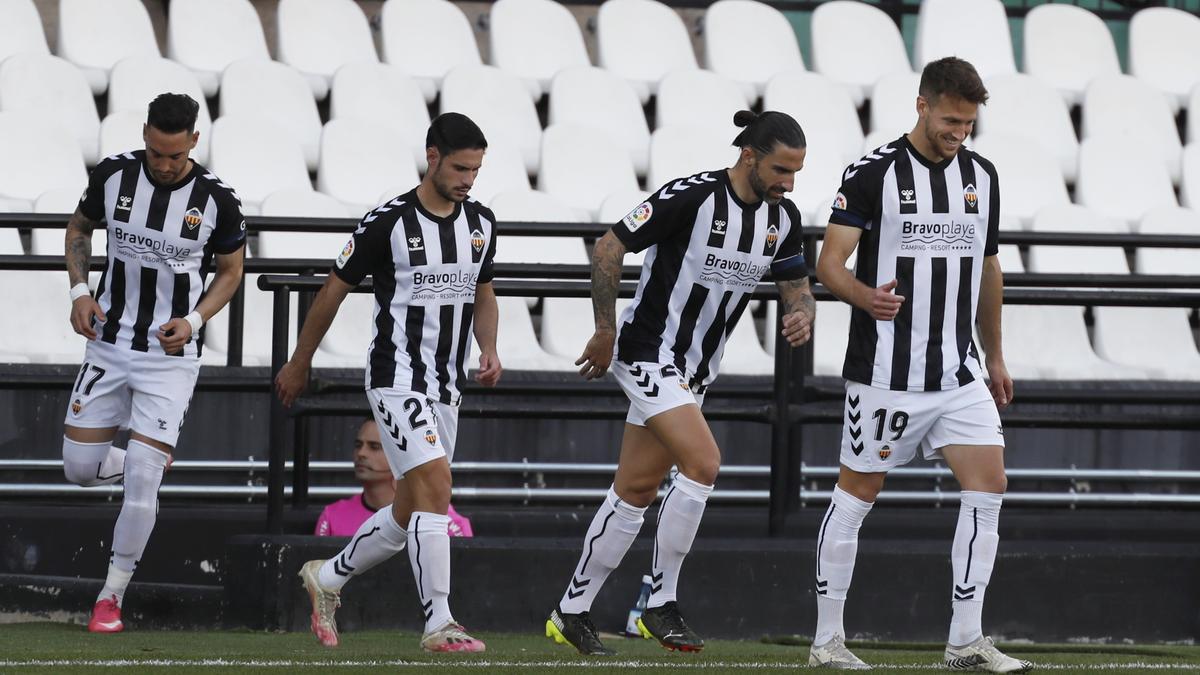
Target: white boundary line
{"points": [[481, 664]]}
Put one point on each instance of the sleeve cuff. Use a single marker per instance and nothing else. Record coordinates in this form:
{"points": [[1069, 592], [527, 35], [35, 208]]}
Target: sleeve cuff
{"points": [[840, 217]]}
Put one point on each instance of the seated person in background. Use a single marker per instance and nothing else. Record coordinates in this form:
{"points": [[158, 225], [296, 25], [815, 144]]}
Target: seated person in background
{"points": [[343, 517]]}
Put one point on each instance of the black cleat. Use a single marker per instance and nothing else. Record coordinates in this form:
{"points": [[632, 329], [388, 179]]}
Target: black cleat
{"points": [[666, 625], [578, 631]]}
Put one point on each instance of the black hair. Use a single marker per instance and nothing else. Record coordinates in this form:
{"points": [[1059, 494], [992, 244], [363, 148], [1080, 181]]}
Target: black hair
{"points": [[761, 132], [952, 76], [173, 113], [454, 131]]}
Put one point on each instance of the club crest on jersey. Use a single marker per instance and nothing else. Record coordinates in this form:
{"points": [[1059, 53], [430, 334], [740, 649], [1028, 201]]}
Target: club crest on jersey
{"points": [[192, 218], [124, 203], [414, 244], [970, 196], [477, 240], [430, 437], [344, 256], [839, 202], [885, 452], [772, 236], [638, 217], [76, 406]]}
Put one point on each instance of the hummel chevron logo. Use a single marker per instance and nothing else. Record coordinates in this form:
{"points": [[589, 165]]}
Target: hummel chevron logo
{"points": [[577, 586], [853, 401], [393, 429], [874, 155], [678, 186], [964, 592], [656, 581], [341, 567], [857, 448], [427, 609], [855, 432], [644, 381], [822, 587], [854, 417]]}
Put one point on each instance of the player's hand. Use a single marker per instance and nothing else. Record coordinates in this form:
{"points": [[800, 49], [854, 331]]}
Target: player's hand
{"points": [[82, 311], [291, 382], [489, 369], [597, 355], [174, 334], [797, 328], [885, 304], [1001, 384]]}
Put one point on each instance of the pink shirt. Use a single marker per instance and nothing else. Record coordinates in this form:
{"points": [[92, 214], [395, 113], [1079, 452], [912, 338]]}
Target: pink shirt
{"points": [[343, 518]]}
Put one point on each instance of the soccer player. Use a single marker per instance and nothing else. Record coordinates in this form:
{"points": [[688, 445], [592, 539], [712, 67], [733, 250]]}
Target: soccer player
{"points": [[430, 253], [923, 213], [710, 239], [167, 218]]}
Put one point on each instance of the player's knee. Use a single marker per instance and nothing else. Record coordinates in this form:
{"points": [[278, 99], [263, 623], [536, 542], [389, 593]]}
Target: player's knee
{"points": [[81, 461], [637, 491], [703, 469], [80, 474]]}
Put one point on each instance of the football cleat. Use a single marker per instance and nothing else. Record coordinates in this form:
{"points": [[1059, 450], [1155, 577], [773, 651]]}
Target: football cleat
{"points": [[324, 603], [578, 631], [106, 617], [983, 655], [834, 654], [666, 625], [451, 637]]}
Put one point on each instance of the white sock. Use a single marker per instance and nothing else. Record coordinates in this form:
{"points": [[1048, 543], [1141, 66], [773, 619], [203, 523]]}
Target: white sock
{"points": [[115, 585], [837, 547], [379, 537], [614, 527], [144, 468], [678, 519], [972, 557], [91, 464], [429, 552]]}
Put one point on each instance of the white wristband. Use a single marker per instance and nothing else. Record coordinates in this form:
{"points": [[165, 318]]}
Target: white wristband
{"points": [[195, 320], [79, 290]]}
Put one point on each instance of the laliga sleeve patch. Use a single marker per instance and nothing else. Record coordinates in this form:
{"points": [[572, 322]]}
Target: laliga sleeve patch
{"points": [[347, 251], [839, 202], [638, 217]]}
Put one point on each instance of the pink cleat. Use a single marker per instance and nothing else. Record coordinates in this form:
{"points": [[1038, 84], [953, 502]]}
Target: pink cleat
{"points": [[451, 638], [106, 617]]}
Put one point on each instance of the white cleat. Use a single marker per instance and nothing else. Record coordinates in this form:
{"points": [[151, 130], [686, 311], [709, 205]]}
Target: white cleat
{"points": [[451, 637], [834, 654], [983, 655], [324, 603]]}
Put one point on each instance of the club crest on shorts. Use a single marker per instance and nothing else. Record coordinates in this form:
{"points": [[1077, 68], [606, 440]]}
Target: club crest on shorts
{"points": [[430, 437], [772, 236], [970, 196], [192, 218], [885, 451], [477, 240], [76, 406], [344, 256], [638, 216]]}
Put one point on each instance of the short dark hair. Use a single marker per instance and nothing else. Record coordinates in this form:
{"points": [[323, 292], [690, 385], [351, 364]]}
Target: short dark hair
{"points": [[173, 113], [454, 131], [952, 76], [762, 131]]}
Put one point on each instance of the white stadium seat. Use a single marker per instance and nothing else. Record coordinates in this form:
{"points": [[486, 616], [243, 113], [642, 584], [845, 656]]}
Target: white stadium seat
{"points": [[822, 107], [503, 170], [45, 241], [384, 94], [249, 154], [21, 29], [831, 334], [50, 87], [684, 150], [1122, 184], [618, 204], [273, 90], [1067, 47], [534, 206], [517, 343], [360, 159], [1120, 106], [316, 37], [730, 25], [1193, 121], [581, 166], [1168, 220], [1164, 51], [10, 241], [137, 80], [302, 204], [499, 104], [122, 132], [256, 326], [1045, 259], [1069, 356], [878, 47], [568, 324], [642, 41], [1022, 105], [987, 44], [346, 342], [58, 164], [126, 28], [1028, 182], [744, 353], [817, 183], [894, 104], [44, 307], [1157, 340], [595, 97], [699, 98], [208, 35], [427, 39], [534, 39], [1189, 183], [59, 200]]}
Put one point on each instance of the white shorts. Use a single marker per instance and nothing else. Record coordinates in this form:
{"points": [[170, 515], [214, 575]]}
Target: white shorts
{"points": [[414, 428], [653, 388], [882, 429], [118, 387]]}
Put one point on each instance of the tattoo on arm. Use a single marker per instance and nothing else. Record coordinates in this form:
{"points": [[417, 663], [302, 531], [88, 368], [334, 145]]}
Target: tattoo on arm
{"points": [[79, 247], [796, 296], [606, 280]]}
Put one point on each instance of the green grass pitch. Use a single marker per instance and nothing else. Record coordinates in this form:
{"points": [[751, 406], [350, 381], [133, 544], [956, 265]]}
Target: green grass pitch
{"points": [[65, 648]]}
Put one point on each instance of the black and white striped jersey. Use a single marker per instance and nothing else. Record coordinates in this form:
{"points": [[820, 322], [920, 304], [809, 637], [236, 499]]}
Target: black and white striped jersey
{"points": [[706, 252], [161, 239], [928, 225], [425, 270]]}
